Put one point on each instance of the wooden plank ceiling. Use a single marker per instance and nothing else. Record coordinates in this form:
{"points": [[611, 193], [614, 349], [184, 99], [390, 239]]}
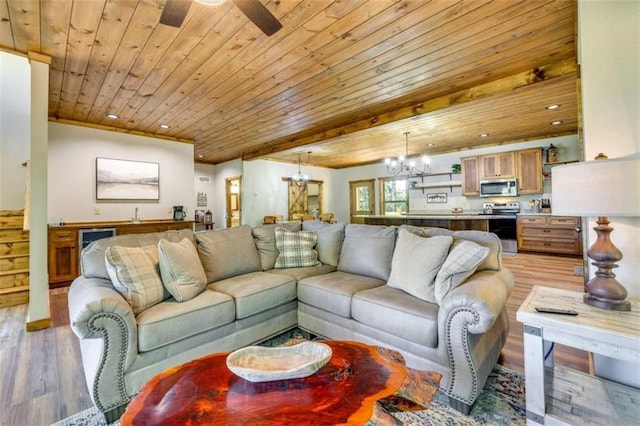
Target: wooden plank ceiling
{"points": [[342, 79]]}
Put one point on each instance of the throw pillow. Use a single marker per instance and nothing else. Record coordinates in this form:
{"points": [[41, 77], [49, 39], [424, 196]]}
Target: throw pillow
{"points": [[135, 275], [265, 238], [493, 261], [295, 249], [415, 264], [462, 261], [180, 268]]}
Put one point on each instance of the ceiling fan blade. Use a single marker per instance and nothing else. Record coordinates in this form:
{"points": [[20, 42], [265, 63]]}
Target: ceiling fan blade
{"points": [[259, 15], [174, 12]]}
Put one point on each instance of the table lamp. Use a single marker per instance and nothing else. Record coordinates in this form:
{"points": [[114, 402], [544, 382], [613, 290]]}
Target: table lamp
{"points": [[602, 188]]}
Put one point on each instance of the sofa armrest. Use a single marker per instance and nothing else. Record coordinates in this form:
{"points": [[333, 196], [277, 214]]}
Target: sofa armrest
{"points": [[472, 329], [107, 329], [485, 294]]}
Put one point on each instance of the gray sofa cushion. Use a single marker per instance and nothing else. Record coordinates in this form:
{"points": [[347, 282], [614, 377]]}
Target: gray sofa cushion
{"points": [[92, 260], [265, 239], [427, 231], [307, 271], [181, 270], [228, 252], [257, 291], [398, 313], [330, 238], [332, 292], [368, 250], [170, 321]]}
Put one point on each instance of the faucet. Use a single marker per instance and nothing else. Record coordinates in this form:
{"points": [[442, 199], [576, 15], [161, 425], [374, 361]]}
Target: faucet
{"points": [[136, 219]]}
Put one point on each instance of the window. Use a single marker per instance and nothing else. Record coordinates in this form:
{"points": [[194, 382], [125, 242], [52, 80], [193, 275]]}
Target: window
{"points": [[362, 197], [394, 196]]}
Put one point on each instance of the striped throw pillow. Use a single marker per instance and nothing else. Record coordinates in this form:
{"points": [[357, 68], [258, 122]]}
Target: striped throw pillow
{"points": [[135, 274], [295, 249]]}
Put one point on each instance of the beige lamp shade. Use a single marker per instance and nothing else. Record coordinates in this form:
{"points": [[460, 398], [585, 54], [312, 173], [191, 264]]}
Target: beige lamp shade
{"points": [[597, 188]]}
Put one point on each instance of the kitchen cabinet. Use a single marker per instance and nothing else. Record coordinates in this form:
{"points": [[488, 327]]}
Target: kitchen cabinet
{"points": [[63, 243], [529, 167], [500, 165], [470, 181], [62, 255], [549, 234]]}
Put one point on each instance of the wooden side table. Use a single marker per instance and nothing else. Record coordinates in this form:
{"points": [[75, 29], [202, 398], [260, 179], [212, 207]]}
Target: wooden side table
{"points": [[559, 395]]}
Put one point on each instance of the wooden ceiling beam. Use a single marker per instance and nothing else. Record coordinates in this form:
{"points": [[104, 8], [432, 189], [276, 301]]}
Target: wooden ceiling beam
{"points": [[503, 85]]}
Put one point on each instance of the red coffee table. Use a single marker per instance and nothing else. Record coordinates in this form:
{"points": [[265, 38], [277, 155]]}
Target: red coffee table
{"points": [[345, 391]]}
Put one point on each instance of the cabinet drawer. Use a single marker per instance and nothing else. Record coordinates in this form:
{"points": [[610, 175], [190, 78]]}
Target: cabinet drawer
{"points": [[562, 247], [562, 220], [556, 233], [63, 235], [540, 220]]}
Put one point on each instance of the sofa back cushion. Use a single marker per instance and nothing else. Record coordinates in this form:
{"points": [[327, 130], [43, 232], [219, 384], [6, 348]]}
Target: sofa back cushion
{"points": [[135, 274], [330, 238], [265, 240], [296, 249], [92, 259], [416, 262], [367, 250], [228, 252]]}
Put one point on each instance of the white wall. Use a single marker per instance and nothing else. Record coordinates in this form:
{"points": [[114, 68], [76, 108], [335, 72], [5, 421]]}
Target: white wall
{"points": [[265, 193], [72, 162], [15, 128], [568, 146], [202, 173], [609, 42]]}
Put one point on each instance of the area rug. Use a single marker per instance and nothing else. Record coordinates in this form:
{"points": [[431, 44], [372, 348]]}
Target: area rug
{"points": [[501, 402]]}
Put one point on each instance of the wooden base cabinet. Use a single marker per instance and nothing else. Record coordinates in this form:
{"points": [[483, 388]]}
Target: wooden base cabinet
{"points": [[64, 245], [549, 234]]}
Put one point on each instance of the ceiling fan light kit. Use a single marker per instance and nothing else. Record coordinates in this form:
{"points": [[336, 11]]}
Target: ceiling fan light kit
{"points": [[176, 10]]}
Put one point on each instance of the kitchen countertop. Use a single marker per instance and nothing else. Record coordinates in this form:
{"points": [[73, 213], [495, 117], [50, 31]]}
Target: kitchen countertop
{"points": [[441, 216]]}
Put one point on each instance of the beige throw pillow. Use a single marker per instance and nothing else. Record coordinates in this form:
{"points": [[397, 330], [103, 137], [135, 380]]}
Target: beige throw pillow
{"points": [[295, 249], [180, 268], [135, 274], [462, 261], [416, 261]]}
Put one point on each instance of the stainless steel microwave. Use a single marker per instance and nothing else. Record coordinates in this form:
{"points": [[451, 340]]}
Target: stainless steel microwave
{"points": [[499, 188]]}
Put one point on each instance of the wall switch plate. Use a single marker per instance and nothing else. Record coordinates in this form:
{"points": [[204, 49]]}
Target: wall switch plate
{"points": [[96, 211], [169, 210]]}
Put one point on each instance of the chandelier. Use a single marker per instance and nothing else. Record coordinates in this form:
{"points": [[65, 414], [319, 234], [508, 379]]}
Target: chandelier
{"points": [[403, 165], [300, 179]]}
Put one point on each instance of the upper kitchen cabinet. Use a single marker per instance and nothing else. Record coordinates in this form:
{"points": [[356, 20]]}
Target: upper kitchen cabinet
{"points": [[470, 181], [498, 166], [529, 167]]}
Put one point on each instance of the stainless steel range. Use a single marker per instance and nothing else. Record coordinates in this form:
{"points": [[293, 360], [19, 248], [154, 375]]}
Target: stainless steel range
{"points": [[504, 227]]}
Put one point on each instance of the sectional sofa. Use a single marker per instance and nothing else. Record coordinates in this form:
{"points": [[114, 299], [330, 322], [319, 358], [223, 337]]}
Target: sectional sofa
{"points": [[148, 302]]}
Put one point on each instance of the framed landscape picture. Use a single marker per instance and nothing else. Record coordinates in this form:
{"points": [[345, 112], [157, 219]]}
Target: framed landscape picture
{"points": [[127, 180]]}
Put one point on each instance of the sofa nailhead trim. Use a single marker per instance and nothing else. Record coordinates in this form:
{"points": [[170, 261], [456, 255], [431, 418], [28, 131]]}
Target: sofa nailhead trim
{"points": [[92, 324], [467, 354]]}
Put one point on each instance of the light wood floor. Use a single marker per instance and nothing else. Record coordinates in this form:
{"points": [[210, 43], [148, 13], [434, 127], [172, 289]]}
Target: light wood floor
{"points": [[41, 379]]}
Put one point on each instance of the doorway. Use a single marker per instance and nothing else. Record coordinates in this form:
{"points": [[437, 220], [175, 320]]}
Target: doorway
{"points": [[233, 191], [361, 199]]}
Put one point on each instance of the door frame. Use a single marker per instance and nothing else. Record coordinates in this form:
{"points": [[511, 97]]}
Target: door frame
{"points": [[228, 183], [353, 185]]}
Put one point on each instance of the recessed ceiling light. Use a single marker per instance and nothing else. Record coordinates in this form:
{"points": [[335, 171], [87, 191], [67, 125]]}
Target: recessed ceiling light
{"points": [[553, 106], [483, 135], [557, 122], [165, 126], [113, 116]]}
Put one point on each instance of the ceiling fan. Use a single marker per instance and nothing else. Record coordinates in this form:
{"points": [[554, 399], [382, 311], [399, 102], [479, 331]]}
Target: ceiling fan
{"points": [[175, 11]]}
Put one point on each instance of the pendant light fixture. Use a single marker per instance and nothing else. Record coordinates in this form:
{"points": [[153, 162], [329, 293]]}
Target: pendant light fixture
{"points": [[300, 179], [405, 166]]}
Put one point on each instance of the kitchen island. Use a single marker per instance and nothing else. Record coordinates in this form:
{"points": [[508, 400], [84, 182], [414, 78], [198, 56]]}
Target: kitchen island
{"points": [[454, 222]]}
